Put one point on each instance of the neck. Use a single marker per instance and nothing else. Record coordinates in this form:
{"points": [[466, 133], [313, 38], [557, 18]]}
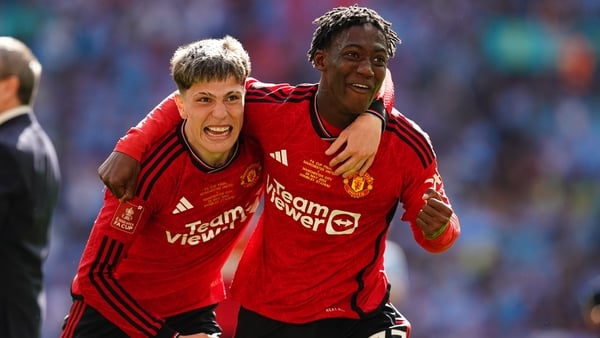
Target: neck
{"points": [[330, 111], [9, 104], [215, 160], [212, 159]]}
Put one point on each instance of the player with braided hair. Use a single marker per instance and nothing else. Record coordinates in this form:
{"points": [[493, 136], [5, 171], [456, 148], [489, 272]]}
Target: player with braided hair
{"points": [[313, 267], [335, 21]]}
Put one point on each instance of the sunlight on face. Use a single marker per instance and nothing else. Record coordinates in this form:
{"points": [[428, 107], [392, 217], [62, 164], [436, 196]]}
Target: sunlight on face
{"points": [[353, 69], [215, 113]]}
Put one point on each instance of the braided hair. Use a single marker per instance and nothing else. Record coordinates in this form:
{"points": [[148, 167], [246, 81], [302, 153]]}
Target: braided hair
{"points": [[340, 18]]}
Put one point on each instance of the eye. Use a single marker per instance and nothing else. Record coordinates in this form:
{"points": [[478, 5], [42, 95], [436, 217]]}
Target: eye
{"points": [[233, 98], [203, 99], [380, 60], [353, 55]]}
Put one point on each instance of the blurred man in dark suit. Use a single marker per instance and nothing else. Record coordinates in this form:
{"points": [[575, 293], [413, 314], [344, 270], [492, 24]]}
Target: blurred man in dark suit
{"points": [[29, 184]]}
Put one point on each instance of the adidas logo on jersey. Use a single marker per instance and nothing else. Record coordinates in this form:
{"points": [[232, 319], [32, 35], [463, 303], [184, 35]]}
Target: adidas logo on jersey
{"points": [[182, 206], [280, 156]]}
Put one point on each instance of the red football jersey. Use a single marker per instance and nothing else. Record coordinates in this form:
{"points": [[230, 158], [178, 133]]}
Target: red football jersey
{"points": [[161, 254], [317, 251]]}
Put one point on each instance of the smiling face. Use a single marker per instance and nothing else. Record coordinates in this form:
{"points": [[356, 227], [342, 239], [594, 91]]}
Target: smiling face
{"points": [[214, 112], [352, 69]]}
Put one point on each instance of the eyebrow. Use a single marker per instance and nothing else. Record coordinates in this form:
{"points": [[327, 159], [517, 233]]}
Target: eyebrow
{"points": [[204, 93]]}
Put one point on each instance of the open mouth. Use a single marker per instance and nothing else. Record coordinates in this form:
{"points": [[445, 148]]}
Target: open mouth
{"points": [[218, 131], [361, 88]]}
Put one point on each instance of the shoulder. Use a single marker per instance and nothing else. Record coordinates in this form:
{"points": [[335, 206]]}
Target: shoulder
{"points": [[257, 91], [409, 133], [23, 136], [11, 128]]}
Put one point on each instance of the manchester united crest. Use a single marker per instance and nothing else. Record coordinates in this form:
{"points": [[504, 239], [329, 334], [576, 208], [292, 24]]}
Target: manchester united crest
{"points": [[358, 186], [251, 175]]}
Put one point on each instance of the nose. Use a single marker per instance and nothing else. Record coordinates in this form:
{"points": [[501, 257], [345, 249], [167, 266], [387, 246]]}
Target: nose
{"points": [[220, 110], [365, 68]]}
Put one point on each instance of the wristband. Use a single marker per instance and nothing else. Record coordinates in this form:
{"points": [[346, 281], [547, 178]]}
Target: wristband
{"points": [[377, 108], [438, 232]]}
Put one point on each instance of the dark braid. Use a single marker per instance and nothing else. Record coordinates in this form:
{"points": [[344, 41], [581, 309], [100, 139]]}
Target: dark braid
{"points": [[340, 18]]}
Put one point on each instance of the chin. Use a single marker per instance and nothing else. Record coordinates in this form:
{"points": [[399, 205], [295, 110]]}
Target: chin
{"points": [[359, 109], [222, 147]]}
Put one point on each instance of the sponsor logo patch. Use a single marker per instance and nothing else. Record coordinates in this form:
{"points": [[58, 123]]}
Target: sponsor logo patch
{"points": [[280, 156], [309, 213], [182, 205], [127, 217]]}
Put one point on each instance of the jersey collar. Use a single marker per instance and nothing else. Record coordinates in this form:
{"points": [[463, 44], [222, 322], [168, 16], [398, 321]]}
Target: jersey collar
{"points": [[198, 162], [14, 112], [324, 129]]}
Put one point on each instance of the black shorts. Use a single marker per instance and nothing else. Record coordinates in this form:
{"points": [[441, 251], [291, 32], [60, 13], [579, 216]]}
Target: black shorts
{"points": [[386, 323], [93, 324]]}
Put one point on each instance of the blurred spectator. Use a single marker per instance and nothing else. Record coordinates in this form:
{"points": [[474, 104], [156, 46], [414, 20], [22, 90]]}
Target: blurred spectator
{"points": [[590, 304], [29, 185]]}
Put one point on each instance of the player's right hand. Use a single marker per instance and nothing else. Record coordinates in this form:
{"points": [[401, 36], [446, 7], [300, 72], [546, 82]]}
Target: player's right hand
{"points": [[435, 214], [119, 172]]}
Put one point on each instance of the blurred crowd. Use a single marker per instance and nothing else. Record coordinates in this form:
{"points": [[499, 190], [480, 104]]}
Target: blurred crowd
{"points": [[508, 90]]}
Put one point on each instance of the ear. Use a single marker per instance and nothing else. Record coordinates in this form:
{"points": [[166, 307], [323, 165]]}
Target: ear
{"points": [[319, 61], [8, 91], [179, 103]]}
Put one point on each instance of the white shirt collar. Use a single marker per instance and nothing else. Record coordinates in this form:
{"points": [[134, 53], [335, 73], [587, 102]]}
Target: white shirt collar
{"points": [[14, 112]]}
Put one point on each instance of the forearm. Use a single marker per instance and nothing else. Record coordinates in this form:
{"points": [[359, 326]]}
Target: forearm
{"points": [[97, 282], [442, 241], [103, 292], [359, 148], [383, 104]]}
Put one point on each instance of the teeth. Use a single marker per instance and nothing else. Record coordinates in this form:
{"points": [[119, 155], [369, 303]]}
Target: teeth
{"points": [[360, 85], [218, 129]]}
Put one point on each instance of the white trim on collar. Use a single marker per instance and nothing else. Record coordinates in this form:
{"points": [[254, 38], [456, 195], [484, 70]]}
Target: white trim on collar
{"points": [[14, 112]]}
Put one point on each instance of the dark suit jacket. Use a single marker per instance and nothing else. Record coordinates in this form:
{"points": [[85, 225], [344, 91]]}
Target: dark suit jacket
{"points": [[29, 183]]}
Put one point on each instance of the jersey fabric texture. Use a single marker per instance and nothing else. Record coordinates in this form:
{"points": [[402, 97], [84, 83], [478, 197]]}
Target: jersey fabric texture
{"points": [[317, 251], [161, 254], [29, 186]]}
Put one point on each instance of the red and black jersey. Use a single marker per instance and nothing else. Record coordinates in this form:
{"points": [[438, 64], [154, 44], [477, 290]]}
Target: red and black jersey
{"points": [[317, 251], [161, 254]]}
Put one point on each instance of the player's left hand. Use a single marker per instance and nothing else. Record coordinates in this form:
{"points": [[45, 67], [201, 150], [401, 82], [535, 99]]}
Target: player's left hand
{"points": [[360, 141], [435, 213]]}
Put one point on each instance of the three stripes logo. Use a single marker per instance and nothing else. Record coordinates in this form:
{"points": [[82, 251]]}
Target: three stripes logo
{"points": [[182, 206], [280, 156]]}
